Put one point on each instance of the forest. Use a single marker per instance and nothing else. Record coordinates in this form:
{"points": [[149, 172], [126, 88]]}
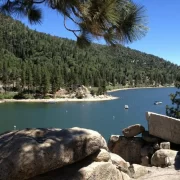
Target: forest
{"points": [[37, 63]]}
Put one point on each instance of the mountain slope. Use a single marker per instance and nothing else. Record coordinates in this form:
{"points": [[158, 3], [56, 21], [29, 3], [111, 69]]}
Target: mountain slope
{"points": [[37, 61]]}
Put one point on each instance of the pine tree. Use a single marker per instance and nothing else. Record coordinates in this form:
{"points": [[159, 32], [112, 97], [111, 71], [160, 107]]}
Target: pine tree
{"points": [[174, 111], [56, 81], [29, 79], [45, 81], [5, 76], [23, 76], [116, 21], [37, 77]]}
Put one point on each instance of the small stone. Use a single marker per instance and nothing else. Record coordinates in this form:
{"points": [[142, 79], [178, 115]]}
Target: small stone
{"points": [[133, 130], [165, 145], [102, 156], [156, 146]]}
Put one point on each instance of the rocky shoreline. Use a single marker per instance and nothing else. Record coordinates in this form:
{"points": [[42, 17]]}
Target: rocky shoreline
{"points": [[83, 154], [77, 94]]}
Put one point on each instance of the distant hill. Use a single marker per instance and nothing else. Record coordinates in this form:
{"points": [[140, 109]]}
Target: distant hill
{"points": [[35, 61]]}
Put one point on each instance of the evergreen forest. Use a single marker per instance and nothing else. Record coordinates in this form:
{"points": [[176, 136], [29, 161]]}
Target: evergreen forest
{"points": [[37, 63]]}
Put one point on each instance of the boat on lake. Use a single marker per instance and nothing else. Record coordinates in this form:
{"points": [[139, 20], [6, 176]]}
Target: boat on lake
{"points": [[126, 107], [157, 102]]}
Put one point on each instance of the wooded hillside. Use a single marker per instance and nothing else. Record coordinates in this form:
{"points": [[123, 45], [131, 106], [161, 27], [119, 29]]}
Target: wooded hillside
{"points": [[37, 62]]}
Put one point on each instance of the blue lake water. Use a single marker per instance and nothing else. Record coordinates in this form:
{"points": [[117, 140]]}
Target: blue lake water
{"points": [[107, 117]]}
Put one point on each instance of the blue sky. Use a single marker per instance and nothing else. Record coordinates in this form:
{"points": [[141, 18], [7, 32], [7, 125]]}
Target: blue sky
{"points": [[162, 39]]}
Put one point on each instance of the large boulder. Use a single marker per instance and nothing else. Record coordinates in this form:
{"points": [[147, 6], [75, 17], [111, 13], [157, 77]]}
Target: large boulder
{"points": [[133, 130], [164, 127], [82, 92], [29, 152], [165, 157], [84, 170], [128, 148]]}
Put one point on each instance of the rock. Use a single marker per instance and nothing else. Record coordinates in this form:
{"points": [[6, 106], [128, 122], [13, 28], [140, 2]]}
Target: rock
{"points": [[29, 152], [147, 150], [112, 141], [149, 138], [84, 170], [145, 161], [102, 156], [137, 170], [119, 161], [133, 130], [164, 127], [156, 146], [125, 176], [82, 92], [165, 157], [127, 148], [156, 173], [61, 93], [165, 145]]}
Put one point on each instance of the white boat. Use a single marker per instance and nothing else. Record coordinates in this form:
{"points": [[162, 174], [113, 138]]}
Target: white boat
{"points": [[157, 102], [126, 107]]}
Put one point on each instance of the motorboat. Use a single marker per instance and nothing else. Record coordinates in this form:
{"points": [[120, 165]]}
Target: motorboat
{"points": [[157, 102], [126, 107]]}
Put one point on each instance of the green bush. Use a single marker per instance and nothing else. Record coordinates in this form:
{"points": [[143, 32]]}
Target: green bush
{"points": [[7, 96], [23, 96]]}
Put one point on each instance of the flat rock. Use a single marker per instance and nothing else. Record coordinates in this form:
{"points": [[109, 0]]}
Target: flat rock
{"points": [[155, 173], [133, 130], [29, 152], [127, 148], [164, 127], [166, 157]]}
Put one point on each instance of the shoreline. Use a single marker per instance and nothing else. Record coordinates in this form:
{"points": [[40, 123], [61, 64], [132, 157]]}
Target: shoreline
{"points": [[107, 98], [93, 99], [123, 89]]}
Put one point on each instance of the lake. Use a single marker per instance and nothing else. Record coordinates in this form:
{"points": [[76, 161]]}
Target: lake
{"points": [[107, 117]]}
